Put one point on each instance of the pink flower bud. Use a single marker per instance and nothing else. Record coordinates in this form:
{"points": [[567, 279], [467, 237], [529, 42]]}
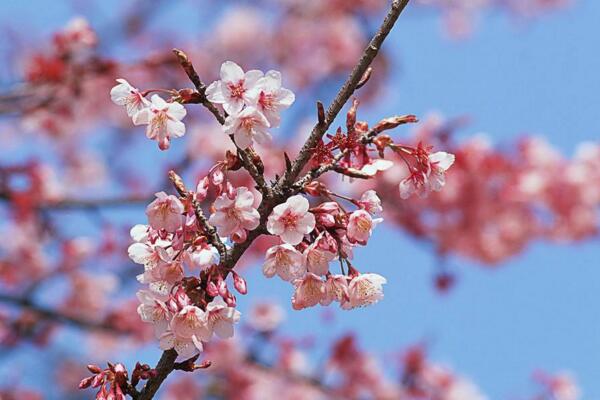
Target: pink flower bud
{"points": [[239, 283], [94, 369], [85, 383], [222, 287], [230, 300], [212, 289]]}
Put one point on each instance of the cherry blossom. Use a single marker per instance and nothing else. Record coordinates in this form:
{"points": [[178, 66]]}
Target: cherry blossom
{"points": [[285, 261], [336, 289], [371, 202], [248, 126], [165, 212], [291, 220], [310, 291], [364, 290], [220, 319], [270, 98], [317, 256], [153, 309], [163, 120], [235, 214], [360, 226], [126, 95], [232, 91]]}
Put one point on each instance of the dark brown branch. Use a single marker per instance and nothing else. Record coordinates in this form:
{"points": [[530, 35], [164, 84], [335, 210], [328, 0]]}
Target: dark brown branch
{"points": [[210, 230], [165, 366], [345, 92]]}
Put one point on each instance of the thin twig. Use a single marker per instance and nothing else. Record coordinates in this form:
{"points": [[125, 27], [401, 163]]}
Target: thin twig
{"points": [[345, 92]]}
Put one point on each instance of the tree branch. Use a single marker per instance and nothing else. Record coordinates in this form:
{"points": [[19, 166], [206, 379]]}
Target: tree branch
{"points": [[345, 92]]}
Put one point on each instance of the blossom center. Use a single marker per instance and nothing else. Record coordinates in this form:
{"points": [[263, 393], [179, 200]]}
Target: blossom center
{"points": [[236, 90]]}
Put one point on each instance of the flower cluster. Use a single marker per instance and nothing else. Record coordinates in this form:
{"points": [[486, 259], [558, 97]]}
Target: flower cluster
{"points": [[186, 311], [252, 101], [311, 238]]}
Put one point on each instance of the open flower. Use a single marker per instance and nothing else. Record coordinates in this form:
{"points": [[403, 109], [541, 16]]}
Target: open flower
{"points": [[336, 289], [247, 126], [270, 98], [220, 319], [126, 95], [291, 220], [186, 347], [364, 290], [165, 212], [317, 256], [163, 120], [439, 163], [153, 309], [360, 226], [233, 215], [371, 202], [233, 88], [310, 291], [430, 177], [285, 261]]}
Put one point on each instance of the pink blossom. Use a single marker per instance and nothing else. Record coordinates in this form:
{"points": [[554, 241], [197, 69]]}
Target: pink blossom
{"points": [[336, 289], [310, 291], [186, 347], [247, 126], [375, 166], [234, 215], [203, 257], [220, 319], [291, 220], [364, 290], [126, 95], [165, 212], [371, 202], [190, 321], [439, 162], [360, 226], [153, 310], [318, 255], [163, 120], [285, 261], [432, 177], [233, 88], [270, 98]]}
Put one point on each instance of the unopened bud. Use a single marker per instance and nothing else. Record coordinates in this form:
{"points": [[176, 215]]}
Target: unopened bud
{"points": [[239, 283], [212, 289], [222, 287], [314, 188], [230, 300], [392, 122], [94, 369], [85, 383]]}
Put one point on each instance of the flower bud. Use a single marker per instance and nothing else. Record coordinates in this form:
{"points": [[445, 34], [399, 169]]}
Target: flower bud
{"points": [[85, 383], [212, 289], [230, 300], [222, 287], [239, 283]]}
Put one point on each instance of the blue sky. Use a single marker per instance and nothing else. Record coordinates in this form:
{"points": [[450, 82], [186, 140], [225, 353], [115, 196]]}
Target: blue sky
{"points": [[538, 310]]}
